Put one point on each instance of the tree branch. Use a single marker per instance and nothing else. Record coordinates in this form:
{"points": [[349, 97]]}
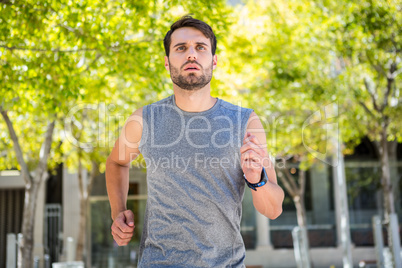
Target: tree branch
{"points": [[377, 67], [291, 180], [45, 148], [396, 73], [17, 148], [367, 109], [68, 28], [48, 50], [79, 49], [98, 55], [371, 93], [286, 183], [387, 93]]}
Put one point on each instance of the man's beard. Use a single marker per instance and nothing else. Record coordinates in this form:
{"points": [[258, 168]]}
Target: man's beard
{"points": [[191, 81]]}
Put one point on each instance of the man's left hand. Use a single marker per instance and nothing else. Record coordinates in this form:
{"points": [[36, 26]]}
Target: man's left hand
{"points": [[252, 158]]}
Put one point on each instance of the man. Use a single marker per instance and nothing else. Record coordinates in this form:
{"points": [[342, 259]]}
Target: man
{"points": [[197, 149]]}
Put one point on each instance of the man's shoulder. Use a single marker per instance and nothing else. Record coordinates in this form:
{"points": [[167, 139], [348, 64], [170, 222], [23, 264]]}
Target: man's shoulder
{"points": [[157, 105], [235, 107]]}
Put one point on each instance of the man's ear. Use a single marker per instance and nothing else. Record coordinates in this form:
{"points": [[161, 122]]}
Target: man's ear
{"points": [[166, 63], [214, 61]]}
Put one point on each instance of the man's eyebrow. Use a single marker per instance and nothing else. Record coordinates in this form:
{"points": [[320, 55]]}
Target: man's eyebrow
{"points": [[202, 43], [198, 43], [179, 44]]}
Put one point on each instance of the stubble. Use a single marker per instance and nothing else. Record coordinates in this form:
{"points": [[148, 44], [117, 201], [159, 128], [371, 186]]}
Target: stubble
{"points": [[191, 81]]}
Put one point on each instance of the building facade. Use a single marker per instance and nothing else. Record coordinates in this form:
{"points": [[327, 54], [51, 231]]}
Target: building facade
{"points": [[268, 243]]}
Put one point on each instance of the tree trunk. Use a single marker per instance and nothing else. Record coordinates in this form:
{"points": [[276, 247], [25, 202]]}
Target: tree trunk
{"points": [[82, 230], [300, 211], [31, 188], [28, 223], [395, 180], [85, 191], [302, 219], [386, 176], [304, 244], [296, 191], [389, 206]]}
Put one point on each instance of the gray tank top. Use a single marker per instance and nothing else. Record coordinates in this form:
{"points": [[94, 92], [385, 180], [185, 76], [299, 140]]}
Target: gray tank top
{"points": [[195, 185]]}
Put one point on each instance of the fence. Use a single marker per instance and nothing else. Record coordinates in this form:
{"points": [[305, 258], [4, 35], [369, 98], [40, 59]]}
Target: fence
{"points": [[13, 255]]}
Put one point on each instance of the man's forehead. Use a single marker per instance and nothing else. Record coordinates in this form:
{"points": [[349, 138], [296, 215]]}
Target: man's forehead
{"points": [[188, 34]]}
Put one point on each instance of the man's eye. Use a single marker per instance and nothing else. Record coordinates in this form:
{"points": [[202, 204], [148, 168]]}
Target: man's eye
{"points": [[201, 48], [180, 48]]}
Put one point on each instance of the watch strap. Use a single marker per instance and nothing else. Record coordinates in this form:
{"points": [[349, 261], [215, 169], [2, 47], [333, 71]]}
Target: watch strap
{"points": [[263, 181]]}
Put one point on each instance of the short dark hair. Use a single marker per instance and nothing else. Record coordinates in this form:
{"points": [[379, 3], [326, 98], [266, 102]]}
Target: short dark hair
{"points": [[188, 21]]}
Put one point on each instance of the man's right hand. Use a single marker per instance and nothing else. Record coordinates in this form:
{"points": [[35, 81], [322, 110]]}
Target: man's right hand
{"points": [[123, 227]]}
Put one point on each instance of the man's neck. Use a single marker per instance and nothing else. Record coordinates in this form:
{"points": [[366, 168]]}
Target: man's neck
{"points": [[194, 100]]}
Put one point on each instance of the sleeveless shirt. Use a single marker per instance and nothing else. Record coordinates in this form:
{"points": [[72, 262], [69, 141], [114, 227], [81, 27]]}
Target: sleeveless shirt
{"points": [[195, 185]]}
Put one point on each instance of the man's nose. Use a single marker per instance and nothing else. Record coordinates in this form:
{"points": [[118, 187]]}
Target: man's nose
{"points": [[192, 54]]}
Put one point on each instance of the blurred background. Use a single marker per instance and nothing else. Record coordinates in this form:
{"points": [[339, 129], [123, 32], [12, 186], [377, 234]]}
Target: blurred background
{"points": [[324, 77]]}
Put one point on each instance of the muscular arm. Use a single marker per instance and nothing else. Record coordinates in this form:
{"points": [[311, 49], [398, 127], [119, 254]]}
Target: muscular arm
{"points": [[117, 177], [254, 155]]}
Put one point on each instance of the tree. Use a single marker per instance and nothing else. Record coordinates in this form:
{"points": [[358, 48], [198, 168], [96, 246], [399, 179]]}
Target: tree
{"points": [[286, 52], [56, 55], [346, 52], [31, 100], [32, 183], [369, 45]]}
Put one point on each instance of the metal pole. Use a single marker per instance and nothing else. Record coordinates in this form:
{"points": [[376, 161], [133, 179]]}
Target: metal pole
{"points": [[262, 231], [19, 254], [300, 247], [341, 202], [378, 241], [11, 251], [70, 249], [396, 247], [341, 198], [47, 260], [36, 262]]}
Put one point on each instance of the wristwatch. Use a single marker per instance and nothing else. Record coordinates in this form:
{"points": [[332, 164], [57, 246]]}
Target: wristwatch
{"points": [[263, 181]]}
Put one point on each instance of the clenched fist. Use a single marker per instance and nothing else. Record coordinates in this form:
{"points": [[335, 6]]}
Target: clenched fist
{"points": [[123, 227], [253, 156]]}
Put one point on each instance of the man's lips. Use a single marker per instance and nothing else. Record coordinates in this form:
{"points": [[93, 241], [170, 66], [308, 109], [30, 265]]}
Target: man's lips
{"points": [[191, 67]]}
